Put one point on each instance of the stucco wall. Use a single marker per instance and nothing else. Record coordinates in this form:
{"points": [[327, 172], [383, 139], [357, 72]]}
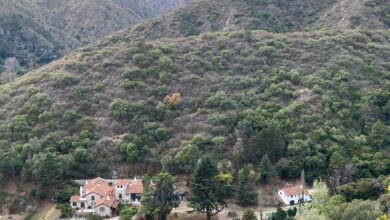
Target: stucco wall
{"points": [[106, 211]]}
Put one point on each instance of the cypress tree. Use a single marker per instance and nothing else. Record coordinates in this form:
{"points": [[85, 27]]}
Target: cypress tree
{"points": [[265, 168]]}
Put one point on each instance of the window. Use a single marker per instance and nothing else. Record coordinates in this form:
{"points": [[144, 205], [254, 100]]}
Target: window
{"points": [[93, 198], [102, 209], [120, 196], [74, 204]]}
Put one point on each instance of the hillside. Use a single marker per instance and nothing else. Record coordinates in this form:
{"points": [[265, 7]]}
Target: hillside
{"points": [[275, 16], [321, 88], [89, 20], [27, 34], [36, 32], [298, 84], [165, 5], [373, 14]]}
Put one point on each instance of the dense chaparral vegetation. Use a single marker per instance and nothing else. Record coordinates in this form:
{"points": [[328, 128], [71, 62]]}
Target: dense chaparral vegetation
{"points": [[261, 104], [33, 33]]}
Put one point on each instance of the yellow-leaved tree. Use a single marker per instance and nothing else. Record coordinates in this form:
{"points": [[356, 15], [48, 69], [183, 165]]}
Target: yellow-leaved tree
{"points": [[172, 100]]}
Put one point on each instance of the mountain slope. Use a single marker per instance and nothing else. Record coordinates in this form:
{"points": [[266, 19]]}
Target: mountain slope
{"points": [[89, 20], [372, 14], [25, 30], [56, 27], [275, 16], [36, 32], [312, 94], [316, 89]]}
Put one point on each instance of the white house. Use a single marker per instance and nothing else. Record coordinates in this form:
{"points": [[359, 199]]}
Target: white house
{"points": [[292, 194], [102, 196]]}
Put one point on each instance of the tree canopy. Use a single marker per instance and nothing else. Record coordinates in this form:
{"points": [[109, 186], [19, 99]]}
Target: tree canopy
{"points": [[209, 191], [159, 198]]}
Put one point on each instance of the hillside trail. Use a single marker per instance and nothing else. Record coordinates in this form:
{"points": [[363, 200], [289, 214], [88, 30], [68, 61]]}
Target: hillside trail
{"points": [[357, 4], [47, 211], [229, 20]]}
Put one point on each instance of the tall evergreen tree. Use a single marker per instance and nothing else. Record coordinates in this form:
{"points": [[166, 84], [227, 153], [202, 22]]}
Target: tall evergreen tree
{"points": [[337, 162], [159, 198], [247, 194], [265, 168], [46, 169], [209, 191]]}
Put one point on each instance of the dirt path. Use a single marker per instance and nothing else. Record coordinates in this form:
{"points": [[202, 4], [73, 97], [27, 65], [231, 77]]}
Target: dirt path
{"points": [[183, 212], [47, 211]]}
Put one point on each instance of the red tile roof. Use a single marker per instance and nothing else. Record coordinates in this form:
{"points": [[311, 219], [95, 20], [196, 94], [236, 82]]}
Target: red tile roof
{"points": [[103, 188], [108, 201], [136, 187], [75, 199], [294, 190], [121, 182], [98, 186]]}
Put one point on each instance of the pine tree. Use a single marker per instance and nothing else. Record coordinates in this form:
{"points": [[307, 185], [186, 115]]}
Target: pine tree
{"points": [[265, 168], [337, 162], [209, 193], [247, 194]]}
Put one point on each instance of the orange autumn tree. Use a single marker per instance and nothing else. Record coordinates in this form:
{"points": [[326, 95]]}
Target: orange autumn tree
{"points": [[172, 100]]}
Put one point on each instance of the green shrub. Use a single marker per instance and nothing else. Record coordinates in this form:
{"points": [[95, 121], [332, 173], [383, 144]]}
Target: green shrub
{"points": [[129, 85], [120, 109], [169, 49], [127, 213], [189, 24], [187, 157], [362, 189], [165, 62], [266, 50], [98, 86], [62, 80], [70, 115], [133, 73], [62, 196], [80, 91], [161, 134], [219, 100], [143, 60]]}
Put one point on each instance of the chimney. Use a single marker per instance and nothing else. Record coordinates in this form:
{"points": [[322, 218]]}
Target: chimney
{"points": [[81, 191]]}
